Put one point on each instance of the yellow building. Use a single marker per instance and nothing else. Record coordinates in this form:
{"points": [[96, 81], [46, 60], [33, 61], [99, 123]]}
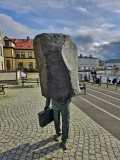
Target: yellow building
{"points": [[19, 54]]}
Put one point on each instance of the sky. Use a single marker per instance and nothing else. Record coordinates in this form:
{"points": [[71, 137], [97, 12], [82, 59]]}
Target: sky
{"points": [[93, 25]]}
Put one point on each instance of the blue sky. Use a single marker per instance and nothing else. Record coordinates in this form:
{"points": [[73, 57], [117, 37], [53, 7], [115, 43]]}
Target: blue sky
{"points": [[94, 25]]}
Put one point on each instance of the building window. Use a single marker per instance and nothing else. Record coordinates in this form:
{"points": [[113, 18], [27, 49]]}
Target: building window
{"points": [[22, 54], [8, 64], [29, 54], [20, 65], [6, 43], [30, 65], [17, 54]]}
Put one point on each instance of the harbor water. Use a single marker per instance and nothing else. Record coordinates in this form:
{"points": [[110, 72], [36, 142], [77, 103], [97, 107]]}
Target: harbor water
{"points": [[109, 73], [104, 74]]}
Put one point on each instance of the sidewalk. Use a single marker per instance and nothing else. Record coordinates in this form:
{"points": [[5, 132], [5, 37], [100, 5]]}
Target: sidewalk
{"points": [[21, 138]]}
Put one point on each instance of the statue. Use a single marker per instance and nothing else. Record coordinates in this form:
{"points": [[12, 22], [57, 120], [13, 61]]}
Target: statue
{"points": [[57, 59]]}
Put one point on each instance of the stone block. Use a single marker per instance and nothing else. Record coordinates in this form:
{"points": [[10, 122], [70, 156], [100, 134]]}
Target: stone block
{"points": [[57, 60]]}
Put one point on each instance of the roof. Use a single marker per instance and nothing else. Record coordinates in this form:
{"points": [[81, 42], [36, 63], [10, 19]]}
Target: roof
{"points": [[113, 60], [7, 39], [88, 57], [23, 43]]}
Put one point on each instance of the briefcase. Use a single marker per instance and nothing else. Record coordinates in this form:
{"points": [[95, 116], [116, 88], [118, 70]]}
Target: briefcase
{"points": [[45, 117]]}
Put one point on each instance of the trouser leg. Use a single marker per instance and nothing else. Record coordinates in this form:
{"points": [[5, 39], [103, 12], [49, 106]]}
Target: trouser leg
{"points": [[57, 121], [65, 112]]}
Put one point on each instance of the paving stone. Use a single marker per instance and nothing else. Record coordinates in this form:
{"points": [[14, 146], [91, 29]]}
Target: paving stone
{"points": [[22, 158], [4, 158], [21, 135]]}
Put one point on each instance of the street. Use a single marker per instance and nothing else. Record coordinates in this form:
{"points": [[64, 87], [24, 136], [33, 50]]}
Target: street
{"points": [[103, 106]]}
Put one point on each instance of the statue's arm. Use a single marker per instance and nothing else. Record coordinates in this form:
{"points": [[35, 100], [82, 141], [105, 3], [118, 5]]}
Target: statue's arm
{"points": [[47, 104]]}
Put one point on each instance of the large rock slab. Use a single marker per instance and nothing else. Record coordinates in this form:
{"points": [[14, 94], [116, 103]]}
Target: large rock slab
{"points": [[57, 60]]}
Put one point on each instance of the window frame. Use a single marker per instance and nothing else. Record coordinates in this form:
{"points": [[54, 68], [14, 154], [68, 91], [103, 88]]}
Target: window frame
{"points": [[6, 43], [22, 54], [20, 66], [30, 55], [17, 54], [30, 65]]}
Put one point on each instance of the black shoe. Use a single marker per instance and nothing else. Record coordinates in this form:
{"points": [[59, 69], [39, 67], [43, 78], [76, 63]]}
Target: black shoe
{"points": [[57, 137], [65, 145]]}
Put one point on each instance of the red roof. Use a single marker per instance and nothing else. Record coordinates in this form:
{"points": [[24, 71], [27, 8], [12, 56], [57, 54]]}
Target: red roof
{"points": [[23, 43]]}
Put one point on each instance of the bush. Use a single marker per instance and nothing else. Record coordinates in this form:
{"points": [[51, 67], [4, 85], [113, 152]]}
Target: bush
{"points": [[26, 70], [33, 70]]}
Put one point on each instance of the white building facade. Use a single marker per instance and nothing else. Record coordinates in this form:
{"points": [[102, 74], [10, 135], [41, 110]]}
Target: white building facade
{"points": [[1, 52], [113, 63], [87, 62]]}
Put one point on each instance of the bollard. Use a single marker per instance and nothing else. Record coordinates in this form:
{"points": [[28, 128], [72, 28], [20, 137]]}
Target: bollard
{"points": [[81, 76], [107, 82], [88, 78], [116, 83], [38, 82], [85, 77], [94, 80], [100, 80]]}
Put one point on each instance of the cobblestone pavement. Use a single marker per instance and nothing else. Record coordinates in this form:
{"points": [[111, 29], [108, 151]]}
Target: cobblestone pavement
{"points": [[21, 138]]}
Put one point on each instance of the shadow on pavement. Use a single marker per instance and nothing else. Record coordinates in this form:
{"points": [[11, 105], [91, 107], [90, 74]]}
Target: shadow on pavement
{"points": [[20, 87], [30, 152]]}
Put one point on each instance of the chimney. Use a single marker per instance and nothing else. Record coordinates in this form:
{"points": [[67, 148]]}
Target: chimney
{"points": [[15, 40], [28, 38], [80, 55]]}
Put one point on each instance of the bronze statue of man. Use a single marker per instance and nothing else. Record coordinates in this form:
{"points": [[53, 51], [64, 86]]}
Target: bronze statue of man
{"points": [[57, 59], [61, 106]]}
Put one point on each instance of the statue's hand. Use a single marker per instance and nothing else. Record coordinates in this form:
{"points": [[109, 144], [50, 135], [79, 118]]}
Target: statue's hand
{"points": [[46, 107]]}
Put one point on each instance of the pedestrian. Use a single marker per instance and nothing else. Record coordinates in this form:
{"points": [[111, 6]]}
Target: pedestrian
{"points": [[61, 106], [85, 78], [94, 74]]}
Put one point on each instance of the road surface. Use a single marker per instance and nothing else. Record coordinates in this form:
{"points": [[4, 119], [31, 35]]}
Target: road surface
{"points": [[102, 105]]}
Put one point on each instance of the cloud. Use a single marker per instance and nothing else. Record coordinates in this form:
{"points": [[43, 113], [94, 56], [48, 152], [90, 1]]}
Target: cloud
{"points": [[84, 41], [14, 29], [87, 45], [82, 37], [91, 24], [107, 26], [36, 5], [105, 50], [10, 27], [18, 7], [110, 5], [82, 10], [117, 11]]}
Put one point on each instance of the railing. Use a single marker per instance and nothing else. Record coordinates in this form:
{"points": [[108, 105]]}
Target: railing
{"points": [[90, 79]]}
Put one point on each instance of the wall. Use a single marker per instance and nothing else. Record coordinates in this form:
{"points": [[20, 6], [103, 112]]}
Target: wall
{"points": [[25, 62], [87, 62], [26, 59], [1, 52], [10, 55], [1, 63], [11, 75], [112, 65]]}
